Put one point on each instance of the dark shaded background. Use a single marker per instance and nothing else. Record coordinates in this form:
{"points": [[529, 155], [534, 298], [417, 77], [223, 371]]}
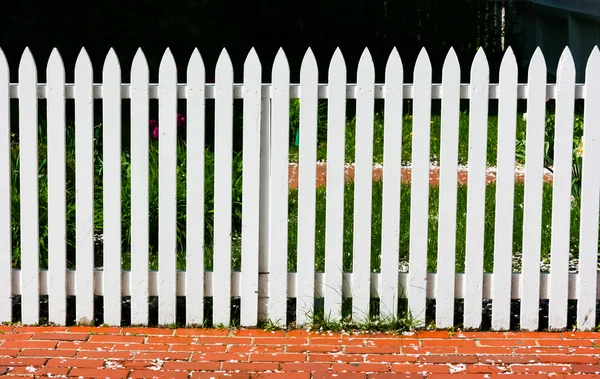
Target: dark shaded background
{"points": [[267, 25]]}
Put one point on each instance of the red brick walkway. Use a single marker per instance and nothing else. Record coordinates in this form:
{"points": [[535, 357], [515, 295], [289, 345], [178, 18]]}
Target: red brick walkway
{"points": [[166, 353]]}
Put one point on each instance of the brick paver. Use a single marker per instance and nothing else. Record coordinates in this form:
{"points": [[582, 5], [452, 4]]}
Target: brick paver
{"points": [[204, 353]]}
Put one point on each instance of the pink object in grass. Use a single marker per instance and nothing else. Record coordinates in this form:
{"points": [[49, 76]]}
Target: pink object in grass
{"points": [[180, 120]]}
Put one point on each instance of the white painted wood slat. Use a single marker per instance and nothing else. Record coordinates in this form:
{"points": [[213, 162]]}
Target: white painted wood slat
{"points": [[505, 191], [251, 189], [139, 189], [590, 197], [363, 188], [194, 298], [392, 175], [29, 197], [419, 194], [532, 208], [223, 183], [334, 218], [167, 189], [57, 232], [6, 250], [448, 189], [307, 194], [111, 175], [478, 121], [561, 199], [265, 174], [84, 189], [278, 208]]}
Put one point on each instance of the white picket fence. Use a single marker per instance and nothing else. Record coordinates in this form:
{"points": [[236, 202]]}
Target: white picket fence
{"points": [[264, 283]]}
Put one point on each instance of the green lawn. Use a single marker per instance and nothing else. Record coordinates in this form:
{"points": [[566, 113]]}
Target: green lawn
{"points": [[378, 131], [320, 206]]}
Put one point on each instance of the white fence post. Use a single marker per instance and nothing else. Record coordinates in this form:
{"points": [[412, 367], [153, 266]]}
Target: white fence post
{"points": [[444, 296], [278, 233], [28, 169], [6, 250], [84, 189], [392, 176], [532, 209], [57, 228], [139, 189], [363, 188], [505, 192], [561, 199], [305, 280], [111, 172], [334, 219], [167, 189], [194, 296], [590, 185], [478, 123], [419, 194], [223, 172], [251, 190]]}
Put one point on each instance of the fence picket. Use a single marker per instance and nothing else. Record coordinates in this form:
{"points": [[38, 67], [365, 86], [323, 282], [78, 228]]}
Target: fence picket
{"points": [[194, 303], [590, 186], [6, 249], [532, 208], [505, 192], [334, 218], [223, 183], [305, 281], [111, 171], [84, 188], [561, 199], [251, 189], [278, 234], [392, 175], [28, 175], [167, 189], [419, 198], [478, 120], [57, 232], [139, 189], [363, 192], [448, 192]]}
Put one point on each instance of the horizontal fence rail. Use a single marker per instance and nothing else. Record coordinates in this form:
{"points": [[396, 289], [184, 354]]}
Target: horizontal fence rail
{"points": [[134, 201], [322, 91]]}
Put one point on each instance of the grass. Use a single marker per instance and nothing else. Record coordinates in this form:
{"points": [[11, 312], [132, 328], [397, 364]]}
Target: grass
{"points": [[378, 133], [293, 216]]}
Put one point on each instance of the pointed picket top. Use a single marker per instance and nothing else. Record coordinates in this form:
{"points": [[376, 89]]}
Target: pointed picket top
{"points": [[112, 61], [480, 64], [139, 60], [281, 62], [55, 70], [139, 65], [309, 62], [252, 61], [394, 64], [337, 65], [167, 64], [55, 63], [509, 62], [27, 63], [83, 62], [537, 63], [566, 62], [365, 65], [224, 61], [4, 72], [451, 63], [423, 63], [593, 63]]}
